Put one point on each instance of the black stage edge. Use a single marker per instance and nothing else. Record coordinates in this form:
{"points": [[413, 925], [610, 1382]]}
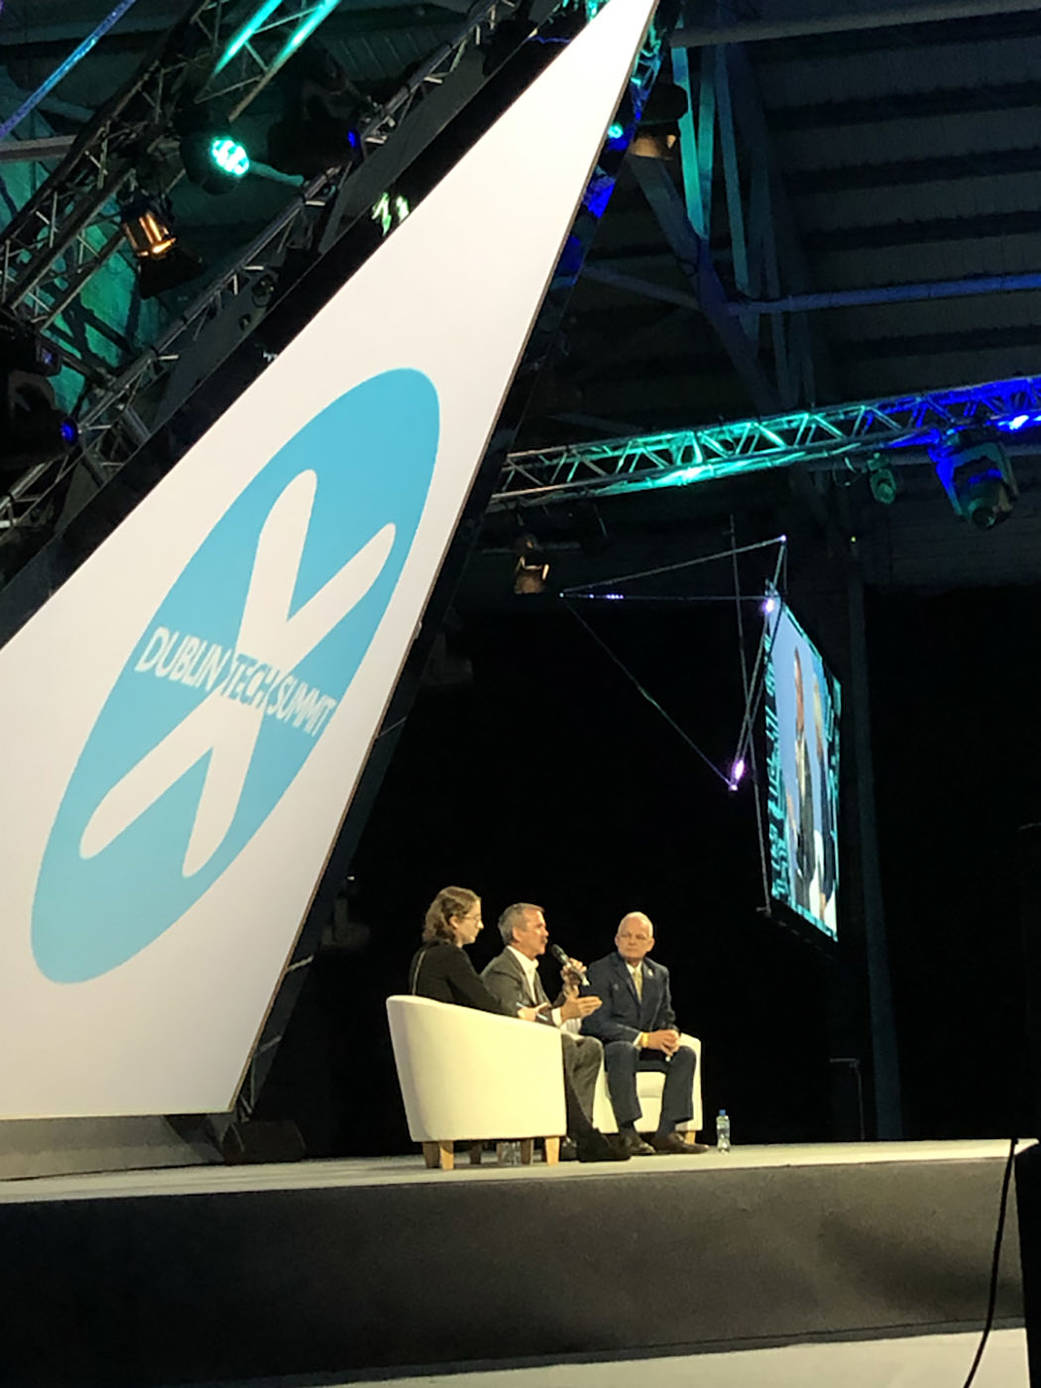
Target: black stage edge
{"points": [[388, 1269]]}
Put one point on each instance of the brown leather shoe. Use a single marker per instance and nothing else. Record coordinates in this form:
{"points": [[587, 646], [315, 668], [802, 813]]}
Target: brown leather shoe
{"points": [[636, 1145], [672, 1142]]}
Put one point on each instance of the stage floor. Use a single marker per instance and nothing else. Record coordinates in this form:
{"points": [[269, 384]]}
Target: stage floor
{"points": [[361, 1268], [410, 1170]]}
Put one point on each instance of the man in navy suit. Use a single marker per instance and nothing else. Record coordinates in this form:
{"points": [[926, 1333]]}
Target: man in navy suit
{"points": [[637, 1026]]}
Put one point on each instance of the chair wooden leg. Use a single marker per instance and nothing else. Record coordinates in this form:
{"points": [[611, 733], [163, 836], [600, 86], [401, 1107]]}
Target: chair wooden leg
{"points": [[552, 1151], [527, 1147], [476, 1148], [446, 1151], [430, 1154]]}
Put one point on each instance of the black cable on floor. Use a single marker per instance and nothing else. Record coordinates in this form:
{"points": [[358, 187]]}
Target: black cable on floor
{"points": [[992, 1299]]}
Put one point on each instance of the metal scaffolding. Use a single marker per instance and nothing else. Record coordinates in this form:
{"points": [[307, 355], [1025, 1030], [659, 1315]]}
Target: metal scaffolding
{"points": [[837, 436], [63, 236]]}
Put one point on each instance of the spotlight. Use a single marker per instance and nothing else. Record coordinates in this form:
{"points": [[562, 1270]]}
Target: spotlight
{"points": [[882, 481], [213, 158], [977, 477], [658, 131], [163, 262], [145, 226], [653, 144], [531, 569]]}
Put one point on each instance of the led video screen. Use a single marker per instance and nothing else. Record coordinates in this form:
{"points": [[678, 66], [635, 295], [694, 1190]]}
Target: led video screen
{"points": [[802, 739]]}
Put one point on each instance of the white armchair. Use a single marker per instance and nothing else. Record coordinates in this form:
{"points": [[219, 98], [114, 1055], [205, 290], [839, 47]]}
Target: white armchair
{"points": [[649, 1086], [471, 1076]]}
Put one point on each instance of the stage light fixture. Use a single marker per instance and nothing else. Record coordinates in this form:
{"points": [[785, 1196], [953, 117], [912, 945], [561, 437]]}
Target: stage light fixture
{"points": [[531, 568], [213, 158], [882, 480], [976, 475], [658, 132], [146, 227], [162, 261]]}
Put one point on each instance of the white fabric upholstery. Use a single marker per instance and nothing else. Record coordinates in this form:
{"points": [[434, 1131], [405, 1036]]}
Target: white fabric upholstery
{"points": [[649, 1085], [466, 1074]]}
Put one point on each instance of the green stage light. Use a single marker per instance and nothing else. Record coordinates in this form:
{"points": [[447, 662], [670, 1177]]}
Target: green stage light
{"points": [[213, 158], [615, 131], [229, 156]]}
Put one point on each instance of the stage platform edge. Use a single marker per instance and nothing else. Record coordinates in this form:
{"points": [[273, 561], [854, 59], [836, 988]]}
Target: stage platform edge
{"points": [[323, 1267]]}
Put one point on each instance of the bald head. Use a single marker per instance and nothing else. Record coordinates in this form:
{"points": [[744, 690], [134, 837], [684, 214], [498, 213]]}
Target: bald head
{"points": [[635, 937]]}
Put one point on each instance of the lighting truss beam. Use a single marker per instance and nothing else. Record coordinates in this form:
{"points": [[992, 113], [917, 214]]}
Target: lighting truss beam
{"points": [[823, 438], [110, 421], [69, 228], [261, 47]]}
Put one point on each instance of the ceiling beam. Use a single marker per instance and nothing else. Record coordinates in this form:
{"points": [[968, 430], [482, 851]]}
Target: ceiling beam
{"points": [[816, 22], [692, 254]]}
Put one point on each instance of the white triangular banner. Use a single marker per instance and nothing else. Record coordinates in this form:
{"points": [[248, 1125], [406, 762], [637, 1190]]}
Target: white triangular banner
{"points": [[169, 795]]}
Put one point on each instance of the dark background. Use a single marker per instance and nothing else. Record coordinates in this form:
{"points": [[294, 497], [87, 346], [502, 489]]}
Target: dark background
{"points": [[550, 778]]}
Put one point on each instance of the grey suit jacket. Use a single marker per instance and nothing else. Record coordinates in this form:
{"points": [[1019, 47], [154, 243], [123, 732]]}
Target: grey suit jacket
{"points": [[505, 979]]}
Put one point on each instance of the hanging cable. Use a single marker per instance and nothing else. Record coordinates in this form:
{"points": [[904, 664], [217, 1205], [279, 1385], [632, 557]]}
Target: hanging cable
{"points": [[747, 686], [645, 693], [683, 564], [995, 1263]]}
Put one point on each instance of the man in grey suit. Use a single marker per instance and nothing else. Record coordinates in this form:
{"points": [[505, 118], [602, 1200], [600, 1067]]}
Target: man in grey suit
{"points": [[513, 978], [637, 1026]]}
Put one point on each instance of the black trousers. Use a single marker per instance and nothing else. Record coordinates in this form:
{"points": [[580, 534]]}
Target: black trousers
{"points": [[583, 1056], [623, 1061]]}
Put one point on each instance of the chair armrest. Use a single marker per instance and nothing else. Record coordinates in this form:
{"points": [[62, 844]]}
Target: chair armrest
{"points": [[471, 1074]]}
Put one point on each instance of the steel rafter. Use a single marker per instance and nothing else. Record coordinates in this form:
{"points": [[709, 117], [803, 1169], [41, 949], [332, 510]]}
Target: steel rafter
{"points": [[114, 418], [824, 438]]}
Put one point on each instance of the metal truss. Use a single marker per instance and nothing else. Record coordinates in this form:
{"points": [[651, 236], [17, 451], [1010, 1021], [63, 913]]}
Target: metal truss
{"points": [[70, 226], [840, 435], [120, 410]]}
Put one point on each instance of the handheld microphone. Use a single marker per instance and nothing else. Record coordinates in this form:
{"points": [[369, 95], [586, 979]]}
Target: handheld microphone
{"points": [[563, 959]]}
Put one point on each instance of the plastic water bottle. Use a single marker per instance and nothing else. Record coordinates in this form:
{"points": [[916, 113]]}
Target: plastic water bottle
{"points": [[722, 1131]]}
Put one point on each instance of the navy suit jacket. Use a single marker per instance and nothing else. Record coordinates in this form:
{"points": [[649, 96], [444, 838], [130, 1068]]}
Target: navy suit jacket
{"points": [[621, 1015]]}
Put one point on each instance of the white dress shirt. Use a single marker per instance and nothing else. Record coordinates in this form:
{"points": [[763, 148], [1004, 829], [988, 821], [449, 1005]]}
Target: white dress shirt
{"points": [[531, 969]]}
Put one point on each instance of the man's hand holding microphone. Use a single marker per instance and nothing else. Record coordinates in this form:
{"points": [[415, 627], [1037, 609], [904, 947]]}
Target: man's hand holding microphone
{"points": [[573, 976]]}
